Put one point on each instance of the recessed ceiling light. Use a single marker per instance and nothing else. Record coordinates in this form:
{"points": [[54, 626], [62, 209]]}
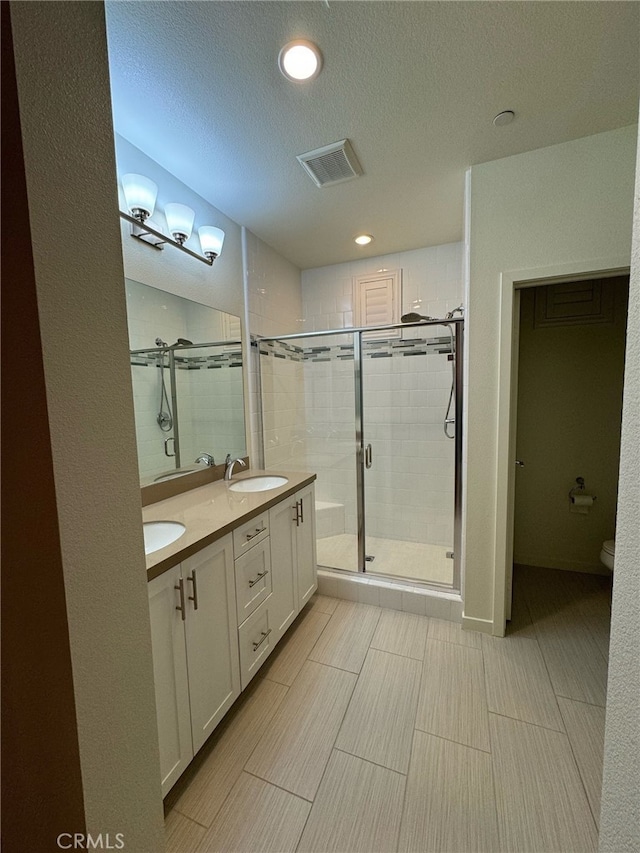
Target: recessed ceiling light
{"points": [[300, 60], [363, 239], [505, 117]]}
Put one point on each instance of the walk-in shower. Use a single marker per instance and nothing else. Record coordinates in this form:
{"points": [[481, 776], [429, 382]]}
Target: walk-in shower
{"points": [[365, 409]]}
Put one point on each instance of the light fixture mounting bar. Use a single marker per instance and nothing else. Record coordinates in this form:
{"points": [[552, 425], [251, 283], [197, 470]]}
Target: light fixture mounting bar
{"points": [[143, 231]]}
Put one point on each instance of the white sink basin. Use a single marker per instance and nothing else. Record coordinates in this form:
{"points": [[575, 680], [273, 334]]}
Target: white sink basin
{"points": [[159, 534], [258, 484]]}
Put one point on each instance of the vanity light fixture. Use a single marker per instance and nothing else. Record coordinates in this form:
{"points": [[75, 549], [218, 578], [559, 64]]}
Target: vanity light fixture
{"points": [[300, 60], [211, 240], [140, 196], [140, 193], [363, 239], [180, 221]]}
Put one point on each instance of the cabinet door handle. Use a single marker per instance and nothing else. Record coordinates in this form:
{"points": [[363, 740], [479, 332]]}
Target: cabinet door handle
{"points": [[259, 578], [180, 586], [257, 533], [296, 517], [194, 597], [263, 637], [301, 510]]}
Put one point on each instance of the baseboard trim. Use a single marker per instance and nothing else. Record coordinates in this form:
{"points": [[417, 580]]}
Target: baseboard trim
{"points": [[566, 566], [471, 623]]}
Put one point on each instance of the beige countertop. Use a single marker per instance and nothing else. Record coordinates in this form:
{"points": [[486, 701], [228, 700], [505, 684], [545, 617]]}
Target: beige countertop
{"points": [[210, 512]]}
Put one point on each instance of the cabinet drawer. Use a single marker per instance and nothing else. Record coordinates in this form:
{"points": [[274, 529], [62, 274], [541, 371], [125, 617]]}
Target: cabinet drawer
{"points": [[253, 579], [251, 533], [256, 641]]}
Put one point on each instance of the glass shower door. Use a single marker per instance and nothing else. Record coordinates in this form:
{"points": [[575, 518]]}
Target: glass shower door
{"points": [[409, 461]]}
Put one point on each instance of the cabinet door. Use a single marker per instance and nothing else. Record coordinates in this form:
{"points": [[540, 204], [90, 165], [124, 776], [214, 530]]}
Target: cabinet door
{"points": [[284, 576], [306, 545], [212, 639], [170, 676]]}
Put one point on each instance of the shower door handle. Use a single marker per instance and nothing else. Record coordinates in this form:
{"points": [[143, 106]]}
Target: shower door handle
{"points": [[368, 456], [166, 446]]}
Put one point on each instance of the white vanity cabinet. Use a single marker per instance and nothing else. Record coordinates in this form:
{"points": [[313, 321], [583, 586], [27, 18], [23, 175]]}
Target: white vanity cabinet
{"points": [[217, 616], [195, 652]]}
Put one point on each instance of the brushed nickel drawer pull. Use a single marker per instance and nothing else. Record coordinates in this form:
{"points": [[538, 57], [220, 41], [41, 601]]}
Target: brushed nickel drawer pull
{"points": [[194, 597], [259, 578], [180, 586], [257, 533], [257, 645], [301, 510]]}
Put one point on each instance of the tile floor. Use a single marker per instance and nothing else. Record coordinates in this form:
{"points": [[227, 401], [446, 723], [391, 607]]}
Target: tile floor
{"points": [[375, 730], [413, 560]]}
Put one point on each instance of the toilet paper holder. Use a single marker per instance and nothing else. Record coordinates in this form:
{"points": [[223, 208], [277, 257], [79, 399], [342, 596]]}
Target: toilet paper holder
{"points": [[579, 489]]}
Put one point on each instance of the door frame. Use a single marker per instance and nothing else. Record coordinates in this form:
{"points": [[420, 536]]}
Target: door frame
{"points": [[511, 283]]}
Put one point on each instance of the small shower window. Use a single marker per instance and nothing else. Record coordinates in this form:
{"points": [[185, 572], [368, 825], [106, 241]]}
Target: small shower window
{"points": [[377, 298]]}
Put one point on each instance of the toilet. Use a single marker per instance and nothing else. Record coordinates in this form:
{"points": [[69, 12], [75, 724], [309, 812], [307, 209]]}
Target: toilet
{"points": [[608, 552]]}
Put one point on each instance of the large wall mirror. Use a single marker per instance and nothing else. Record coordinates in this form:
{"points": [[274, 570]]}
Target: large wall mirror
{"points": [[186, 371]]}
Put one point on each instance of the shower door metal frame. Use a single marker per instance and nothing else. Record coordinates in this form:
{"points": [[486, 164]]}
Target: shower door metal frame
{"points": [[457, 323]]}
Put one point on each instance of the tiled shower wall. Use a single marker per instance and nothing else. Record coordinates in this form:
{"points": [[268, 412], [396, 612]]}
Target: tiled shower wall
{"points": [[432, 284], [410, 486]]}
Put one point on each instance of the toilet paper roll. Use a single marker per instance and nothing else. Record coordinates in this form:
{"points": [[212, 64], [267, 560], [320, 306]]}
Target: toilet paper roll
{"points": [[581, 503]]}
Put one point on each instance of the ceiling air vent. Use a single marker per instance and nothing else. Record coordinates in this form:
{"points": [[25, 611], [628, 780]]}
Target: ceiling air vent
{"points": [[331, 164]]}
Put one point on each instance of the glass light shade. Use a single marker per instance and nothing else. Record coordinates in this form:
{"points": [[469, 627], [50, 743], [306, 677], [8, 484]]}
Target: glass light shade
{"points": [[140, 195], [211, 240], [179, 221], [300, 60]]}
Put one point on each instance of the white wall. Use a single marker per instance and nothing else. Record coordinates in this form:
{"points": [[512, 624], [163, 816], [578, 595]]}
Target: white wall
{"points": [[619, 815], [555, 206], [70, 169], [273, 306]]}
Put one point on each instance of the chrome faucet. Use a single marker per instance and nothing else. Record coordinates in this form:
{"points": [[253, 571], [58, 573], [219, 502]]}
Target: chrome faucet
{"points": [[207, 458], [229, 463]]}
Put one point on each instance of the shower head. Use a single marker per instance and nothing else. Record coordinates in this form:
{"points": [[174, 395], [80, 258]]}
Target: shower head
{"points": [[183, 342], [412, 317]]}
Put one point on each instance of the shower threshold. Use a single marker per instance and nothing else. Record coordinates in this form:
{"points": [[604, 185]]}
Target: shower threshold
{"points": [[395, 558]]}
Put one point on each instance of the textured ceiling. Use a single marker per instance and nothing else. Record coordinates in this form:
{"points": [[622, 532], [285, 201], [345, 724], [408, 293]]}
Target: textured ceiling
{"points": [[413, 85]]}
